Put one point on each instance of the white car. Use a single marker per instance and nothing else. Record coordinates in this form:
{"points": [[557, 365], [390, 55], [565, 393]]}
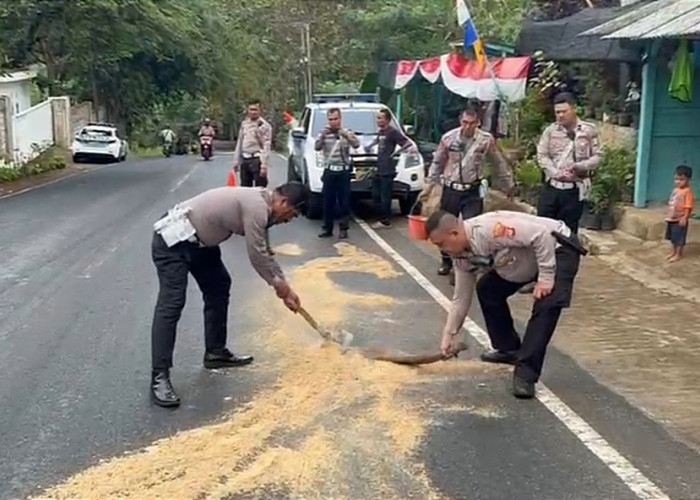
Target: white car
{"points": [[99, 141], [359, 114]]}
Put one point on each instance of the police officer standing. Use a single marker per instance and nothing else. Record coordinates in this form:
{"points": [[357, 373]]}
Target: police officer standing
{"points": [[568, 152], [458, 163], [186, 240], [512, 249], [335, 142], [252, 154]]}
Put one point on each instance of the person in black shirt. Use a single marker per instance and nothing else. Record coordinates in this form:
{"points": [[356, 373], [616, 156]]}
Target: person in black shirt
{"points": [[383, 185]]}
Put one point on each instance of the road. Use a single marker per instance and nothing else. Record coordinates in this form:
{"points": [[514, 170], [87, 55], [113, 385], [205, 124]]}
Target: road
{"points": [[77, 289]]}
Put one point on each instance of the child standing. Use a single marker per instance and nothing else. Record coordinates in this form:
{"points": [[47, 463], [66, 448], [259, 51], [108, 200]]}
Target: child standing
{"points": [[680, 207]]}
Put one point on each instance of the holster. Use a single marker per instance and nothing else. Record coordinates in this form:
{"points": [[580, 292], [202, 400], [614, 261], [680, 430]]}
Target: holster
{"points": [[570, 242]]}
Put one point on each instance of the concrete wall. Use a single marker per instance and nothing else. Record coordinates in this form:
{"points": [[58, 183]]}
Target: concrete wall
{"points": [[5, 128], [61, 111], [20, 93], [80, 115], [617, 136]]}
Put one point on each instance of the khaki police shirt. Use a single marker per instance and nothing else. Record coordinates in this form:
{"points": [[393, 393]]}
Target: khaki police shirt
{"points": [[253, 137], [332, 154], [219, 213], [449, 159], [522, 248], [556, 152]]}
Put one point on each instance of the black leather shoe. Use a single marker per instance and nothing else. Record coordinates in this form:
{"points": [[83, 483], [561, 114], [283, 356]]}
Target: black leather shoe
{"points": [[225, 359], [507, 358], [444, 270], [162, 392], [522, 389], [343, 234], [326, 234]]}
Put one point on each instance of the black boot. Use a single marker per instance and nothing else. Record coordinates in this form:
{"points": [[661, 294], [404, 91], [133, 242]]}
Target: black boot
{"points": [[507, 358], [522, 389], [445, 269], [326, 234], [343, 234], [225, 359], [162, 392]]}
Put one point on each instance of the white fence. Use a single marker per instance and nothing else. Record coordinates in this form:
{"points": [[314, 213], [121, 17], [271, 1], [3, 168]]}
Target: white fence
{"points": [[33, 132]]}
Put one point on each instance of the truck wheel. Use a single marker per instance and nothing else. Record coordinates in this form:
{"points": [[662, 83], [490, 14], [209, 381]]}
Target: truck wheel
{"points": [[406, 203]]}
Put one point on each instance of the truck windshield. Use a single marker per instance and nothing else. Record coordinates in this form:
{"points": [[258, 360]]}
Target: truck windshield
{"points": [[360, 121]]}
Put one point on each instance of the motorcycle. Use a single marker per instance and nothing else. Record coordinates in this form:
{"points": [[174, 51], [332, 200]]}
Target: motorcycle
{"points": [[167, 149], [205, 143]]}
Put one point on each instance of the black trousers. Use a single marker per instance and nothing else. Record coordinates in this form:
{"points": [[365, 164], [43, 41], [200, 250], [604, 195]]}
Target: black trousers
{"points": [[336, 199], [561, 204], [250, 173], [382, 190], [493, 292], [468, 204], [173, 266]]}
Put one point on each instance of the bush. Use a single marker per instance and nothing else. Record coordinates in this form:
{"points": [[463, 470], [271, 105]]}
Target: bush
{"points": [[528, 180], [613, 179]]}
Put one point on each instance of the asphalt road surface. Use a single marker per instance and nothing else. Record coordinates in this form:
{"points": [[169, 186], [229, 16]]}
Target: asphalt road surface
{"points": [[77, 289]]}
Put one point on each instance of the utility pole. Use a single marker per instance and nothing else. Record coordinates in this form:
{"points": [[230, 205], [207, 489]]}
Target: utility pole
{"points": [[306, 59]]}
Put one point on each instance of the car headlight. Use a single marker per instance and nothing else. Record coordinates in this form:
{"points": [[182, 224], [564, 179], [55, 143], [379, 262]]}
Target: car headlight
{"points": [[412, 160]]}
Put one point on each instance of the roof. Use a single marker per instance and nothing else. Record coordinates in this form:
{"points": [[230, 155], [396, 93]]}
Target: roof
{"points": [[18, 76], [652, 19], [559, 39]]}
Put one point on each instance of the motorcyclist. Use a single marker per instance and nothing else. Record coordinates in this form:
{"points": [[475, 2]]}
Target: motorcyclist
{"points": [[168, 136], [207, 129]]}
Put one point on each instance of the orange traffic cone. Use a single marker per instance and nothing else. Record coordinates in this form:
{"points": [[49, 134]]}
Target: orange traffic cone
{"points": [[232, 179]]}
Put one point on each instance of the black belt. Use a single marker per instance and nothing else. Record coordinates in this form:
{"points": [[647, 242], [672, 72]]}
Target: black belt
{"points": [[571, 242], [338, 168], [458, 186]]}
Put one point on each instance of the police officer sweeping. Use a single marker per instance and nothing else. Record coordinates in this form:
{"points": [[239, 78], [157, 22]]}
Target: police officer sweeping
{"points": [[568, 152], [186, 240], [511, 249], [334, 142], [458, 163]]}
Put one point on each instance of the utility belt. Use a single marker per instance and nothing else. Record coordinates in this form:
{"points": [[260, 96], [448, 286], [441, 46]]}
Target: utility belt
{"points": [[562, 185], [175, 227], [571, 242], [250, 156], [458, 186], [338, 168]]}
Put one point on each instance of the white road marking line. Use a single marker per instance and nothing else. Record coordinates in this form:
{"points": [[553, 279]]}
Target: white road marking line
{"points": [[184, 179], [637, 482]]}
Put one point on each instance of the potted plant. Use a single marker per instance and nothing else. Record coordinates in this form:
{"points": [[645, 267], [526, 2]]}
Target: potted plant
{"points": [[612, 182], [528, 181]]}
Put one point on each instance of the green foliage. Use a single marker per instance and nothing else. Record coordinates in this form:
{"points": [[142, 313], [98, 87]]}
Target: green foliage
{"points": [[48, 160], [528, 180], [613, 181]]}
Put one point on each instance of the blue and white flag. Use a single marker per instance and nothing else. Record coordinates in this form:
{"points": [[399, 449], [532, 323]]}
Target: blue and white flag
{"points": [[471, 36]]}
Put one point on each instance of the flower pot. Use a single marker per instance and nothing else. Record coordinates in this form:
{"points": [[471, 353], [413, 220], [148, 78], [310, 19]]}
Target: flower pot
{"points": [[607, 221], [590, 220], [624, 119]]}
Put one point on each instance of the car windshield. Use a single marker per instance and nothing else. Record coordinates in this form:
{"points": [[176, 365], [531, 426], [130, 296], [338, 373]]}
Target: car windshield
{"points": [[360, 121], [96, 132]]}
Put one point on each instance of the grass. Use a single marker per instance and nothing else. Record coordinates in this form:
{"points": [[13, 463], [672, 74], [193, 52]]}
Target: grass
{"points": [[146, 152]]}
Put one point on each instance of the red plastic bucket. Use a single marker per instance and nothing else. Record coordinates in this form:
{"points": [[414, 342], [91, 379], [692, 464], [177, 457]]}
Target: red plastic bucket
{"points": [[416, 227]]}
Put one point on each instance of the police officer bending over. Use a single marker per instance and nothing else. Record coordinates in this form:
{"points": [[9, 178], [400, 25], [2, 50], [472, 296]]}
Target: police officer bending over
{"points": [[459, 164], [334, 142], [186, 240], [512, 249]]}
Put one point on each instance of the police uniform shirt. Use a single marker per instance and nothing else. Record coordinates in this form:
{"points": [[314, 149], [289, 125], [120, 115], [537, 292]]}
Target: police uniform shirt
{"points": [[219, 213], [556, 151], [449, 159], [521, 245], [254, 137]]}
